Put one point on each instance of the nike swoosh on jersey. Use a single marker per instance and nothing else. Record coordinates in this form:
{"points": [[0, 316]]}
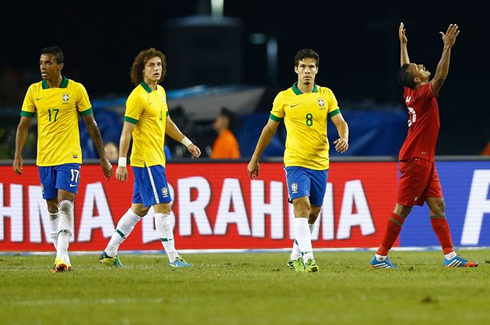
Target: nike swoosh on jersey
{"points": [[294, 105], [39, 98], [150, 103]]}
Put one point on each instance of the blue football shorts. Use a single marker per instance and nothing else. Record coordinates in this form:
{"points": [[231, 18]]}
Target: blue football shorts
{"points": [[306, 182], [62, 177], [150, 186]]}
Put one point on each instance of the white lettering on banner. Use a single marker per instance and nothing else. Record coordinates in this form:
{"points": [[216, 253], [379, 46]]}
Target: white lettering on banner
{"points": [[231, 194], [15, 212], [187, 208], [95, 195], [354, 196], [326, 217], [38, 213], [260, 209], [478, 206], [150, 232]]}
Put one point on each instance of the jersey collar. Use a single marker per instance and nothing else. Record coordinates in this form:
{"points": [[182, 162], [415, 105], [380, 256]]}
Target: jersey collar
{"points": [[298, 92], [146, 87], [64, 83]]}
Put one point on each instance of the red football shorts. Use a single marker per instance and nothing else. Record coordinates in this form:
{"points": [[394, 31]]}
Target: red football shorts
{"points": [[418, 181]]}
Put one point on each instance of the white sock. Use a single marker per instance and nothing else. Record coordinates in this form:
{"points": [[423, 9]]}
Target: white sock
{"points": [[296, 253], [303, 237], [164, 228], [450, 255], [54, 219], [65, 230], [124, 227], [380, 257]]}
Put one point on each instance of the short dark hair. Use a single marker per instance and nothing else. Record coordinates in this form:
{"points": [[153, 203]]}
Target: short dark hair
{"points": [[232, 119], [405, 77], [138, 66], [56, 52], [306, 54]]}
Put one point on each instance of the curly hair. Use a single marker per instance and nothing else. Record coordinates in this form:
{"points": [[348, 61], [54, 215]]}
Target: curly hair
{"points": [[138, 66], [306, 54]]}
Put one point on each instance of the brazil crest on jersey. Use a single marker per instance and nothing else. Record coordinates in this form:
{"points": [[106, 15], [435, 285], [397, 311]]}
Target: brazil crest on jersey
{"points": [[58, 140], [148, 110], [305, 117]]}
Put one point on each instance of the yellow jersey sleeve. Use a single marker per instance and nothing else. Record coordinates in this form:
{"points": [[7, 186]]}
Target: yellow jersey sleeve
{"points": [[134, 108], [28, 106], [333, 105], [83, 102], [277, 112]]}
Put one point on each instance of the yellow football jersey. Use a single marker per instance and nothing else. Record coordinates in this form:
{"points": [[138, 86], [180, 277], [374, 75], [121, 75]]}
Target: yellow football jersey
{"points": [[58, 140], [305, 117], [148, 110]]}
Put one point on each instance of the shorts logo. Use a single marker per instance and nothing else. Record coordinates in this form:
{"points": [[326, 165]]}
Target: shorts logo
{"points": [[165, 192], [294, 188], [321, 103]]}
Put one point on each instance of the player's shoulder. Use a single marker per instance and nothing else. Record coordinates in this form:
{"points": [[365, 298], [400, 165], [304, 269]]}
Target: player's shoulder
{"points": [[161, 90], [324, 90]]}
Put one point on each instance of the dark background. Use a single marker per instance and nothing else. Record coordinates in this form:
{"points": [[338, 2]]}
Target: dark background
{"points": [[357, 41]]}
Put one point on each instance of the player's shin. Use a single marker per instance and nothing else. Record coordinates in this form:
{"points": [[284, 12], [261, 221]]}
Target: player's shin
{"points": [[54, 219], [393, 229], [65, 229], [296, 252], [443, 233], [162, 222], [124, 227], [303, 237]]}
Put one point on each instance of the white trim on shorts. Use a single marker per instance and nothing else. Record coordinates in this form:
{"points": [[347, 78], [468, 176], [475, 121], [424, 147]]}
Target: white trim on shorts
{"points": [[153, 185]]}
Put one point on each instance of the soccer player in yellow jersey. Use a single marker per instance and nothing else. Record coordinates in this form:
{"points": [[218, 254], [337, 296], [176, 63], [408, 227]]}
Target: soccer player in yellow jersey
{"points": [[147, 120], [57, 102], [304, 108]]}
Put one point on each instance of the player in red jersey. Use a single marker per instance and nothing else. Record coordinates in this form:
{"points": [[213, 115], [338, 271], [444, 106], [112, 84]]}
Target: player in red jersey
{"points": [[419, 181]]}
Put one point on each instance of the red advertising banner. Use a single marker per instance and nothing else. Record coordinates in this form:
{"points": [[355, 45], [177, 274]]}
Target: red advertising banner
{"points": [[216, 206]]}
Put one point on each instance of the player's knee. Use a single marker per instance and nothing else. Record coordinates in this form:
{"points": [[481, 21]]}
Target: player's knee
{"points": [[65, 206], [52, 206]]}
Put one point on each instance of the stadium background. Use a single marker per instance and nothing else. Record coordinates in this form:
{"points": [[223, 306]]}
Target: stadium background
{"points": [[241, 61]]}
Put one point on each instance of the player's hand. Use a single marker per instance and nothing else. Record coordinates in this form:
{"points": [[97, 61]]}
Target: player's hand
{"points": [[194, 150], [106, 168], [122, 173], [253, 169], [18, 165], [451, 34], [341, 145], [401, 34]]}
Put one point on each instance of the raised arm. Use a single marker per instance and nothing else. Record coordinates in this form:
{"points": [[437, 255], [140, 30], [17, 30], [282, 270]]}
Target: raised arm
{"points": [[94, 132], [265, 138], [443, 67], [403, 45], [174, 132]]}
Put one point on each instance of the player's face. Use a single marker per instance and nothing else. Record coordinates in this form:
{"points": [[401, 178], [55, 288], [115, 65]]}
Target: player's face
{"points": [[49, 67], [153, 70], [306, 70], [419, 72]]}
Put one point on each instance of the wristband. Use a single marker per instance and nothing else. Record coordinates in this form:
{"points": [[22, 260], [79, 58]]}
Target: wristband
{"points": [[186, 142], [122, 162]]}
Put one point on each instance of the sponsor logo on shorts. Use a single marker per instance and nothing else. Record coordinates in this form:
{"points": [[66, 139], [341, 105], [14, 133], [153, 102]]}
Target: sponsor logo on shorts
{"points": [[165, 192], [73, 185], [294, 188]]}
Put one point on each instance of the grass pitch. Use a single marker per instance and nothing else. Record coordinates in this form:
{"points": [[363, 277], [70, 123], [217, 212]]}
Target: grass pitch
{"points": [[246, 289]]}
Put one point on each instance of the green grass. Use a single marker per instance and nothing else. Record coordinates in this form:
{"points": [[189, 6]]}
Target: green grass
{"points": [[246, 289]]}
